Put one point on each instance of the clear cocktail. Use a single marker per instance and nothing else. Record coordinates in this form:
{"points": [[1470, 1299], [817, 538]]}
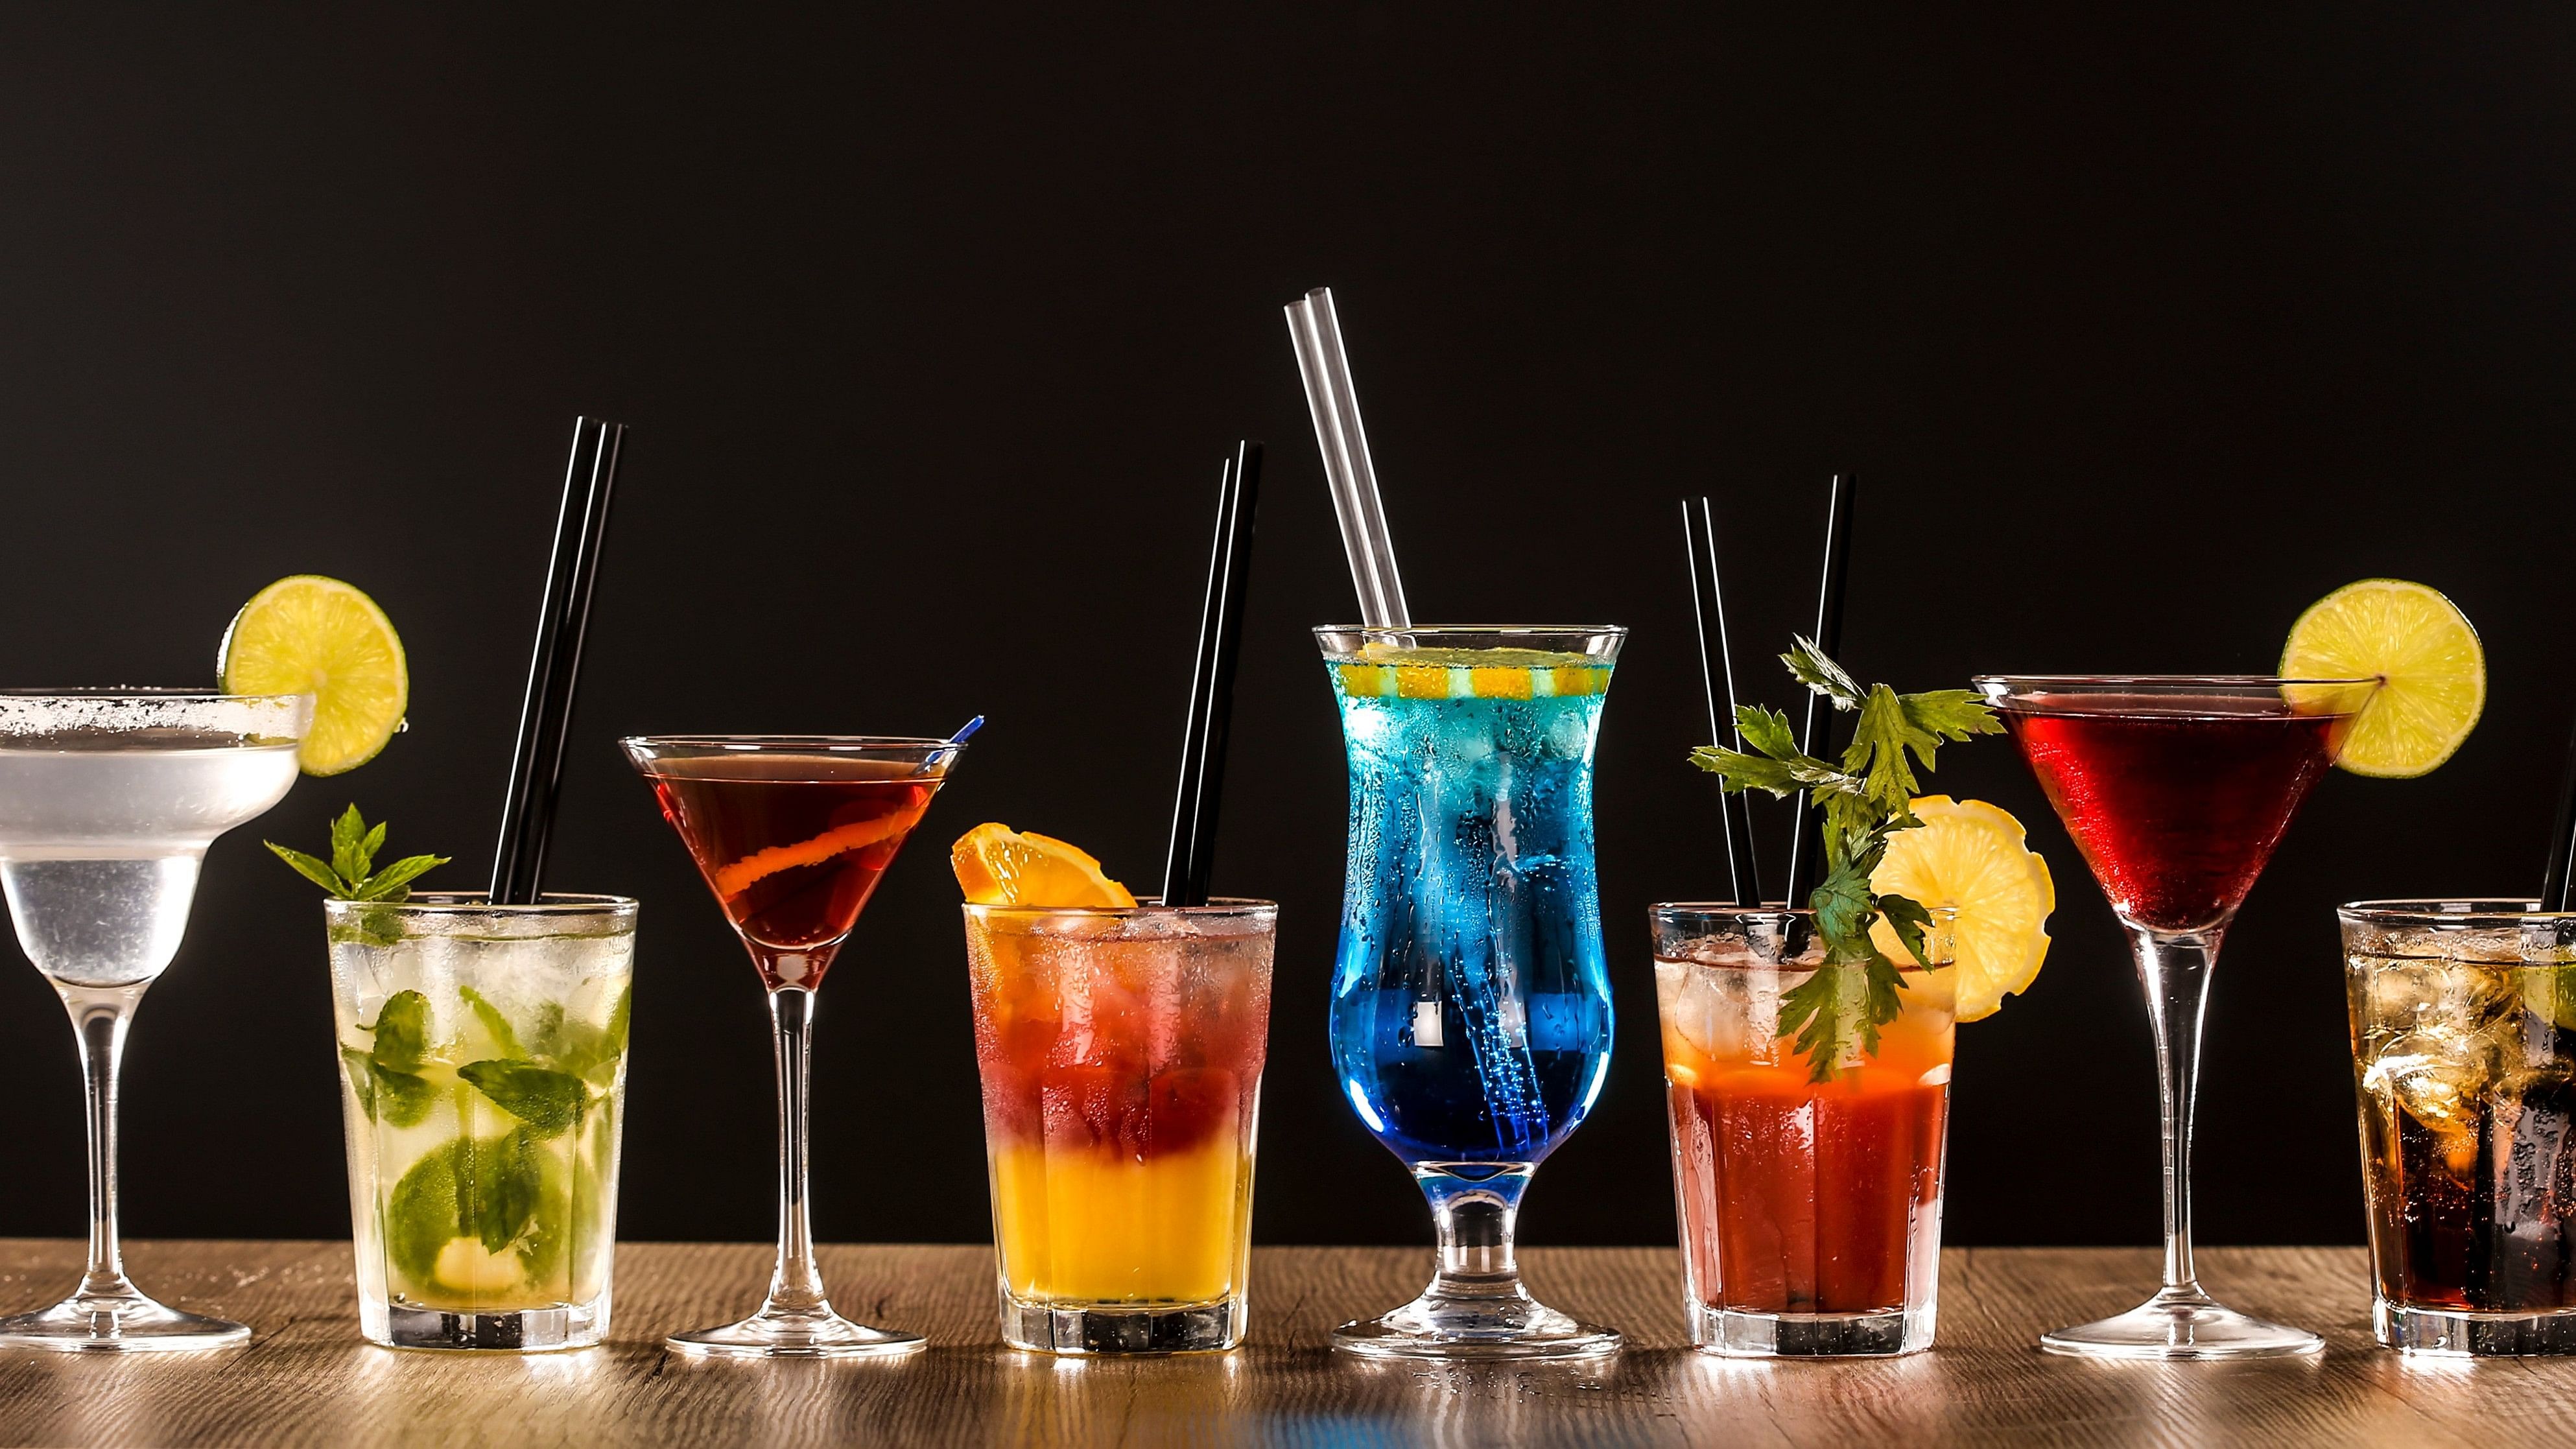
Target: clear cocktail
{"points": [[1121, 1052], [483, 1067], [108, 801], [1471, 1020]]}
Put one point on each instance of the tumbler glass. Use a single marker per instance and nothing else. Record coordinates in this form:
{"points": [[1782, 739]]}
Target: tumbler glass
{"points": [[1809, 1190], [1121, 1053], [483, 1075], [2464, 1060]]}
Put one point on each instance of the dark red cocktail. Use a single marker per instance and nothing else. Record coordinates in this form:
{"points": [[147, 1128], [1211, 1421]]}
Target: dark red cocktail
{"points": [[792, 845], [2176, 800]]}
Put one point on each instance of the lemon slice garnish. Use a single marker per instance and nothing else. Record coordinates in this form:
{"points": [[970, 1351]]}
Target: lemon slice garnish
{"points": [[1970, 856], [317, 636], [2432, 673]]}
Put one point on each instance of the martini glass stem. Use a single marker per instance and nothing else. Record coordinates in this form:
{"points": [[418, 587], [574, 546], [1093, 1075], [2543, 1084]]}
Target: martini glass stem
{"points": [[2174, 968], [99, 1018], [797, 1286]]}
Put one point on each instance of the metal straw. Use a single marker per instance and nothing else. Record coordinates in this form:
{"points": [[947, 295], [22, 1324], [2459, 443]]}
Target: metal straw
{"points": [[2554, 884], [1815, 736], [545, 715], [1317, 333], [1717, 678], [1191, 858]]}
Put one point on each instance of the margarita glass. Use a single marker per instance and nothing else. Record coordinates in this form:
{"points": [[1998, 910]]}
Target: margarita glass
{"points": [[792, 833], [108, 800], [1471, 1020], [2176, 789]]}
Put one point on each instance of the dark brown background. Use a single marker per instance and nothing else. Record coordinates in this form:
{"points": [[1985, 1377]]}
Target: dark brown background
{"points": [[933, 323]]}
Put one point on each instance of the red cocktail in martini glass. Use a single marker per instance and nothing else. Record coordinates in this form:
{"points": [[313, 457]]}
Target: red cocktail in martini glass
{"points": [[792, 833], [2177, 789]]}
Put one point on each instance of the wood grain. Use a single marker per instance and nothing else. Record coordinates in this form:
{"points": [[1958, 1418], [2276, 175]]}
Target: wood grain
{"points": [[307, 1379]]}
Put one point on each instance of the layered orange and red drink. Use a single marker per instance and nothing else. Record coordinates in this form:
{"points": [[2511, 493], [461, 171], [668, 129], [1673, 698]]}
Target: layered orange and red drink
{"points": [[1121, 1048], [1806, 1196]]}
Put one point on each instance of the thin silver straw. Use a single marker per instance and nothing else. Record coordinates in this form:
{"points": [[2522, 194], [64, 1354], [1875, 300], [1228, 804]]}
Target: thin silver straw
{"points": [[1317, 334]]}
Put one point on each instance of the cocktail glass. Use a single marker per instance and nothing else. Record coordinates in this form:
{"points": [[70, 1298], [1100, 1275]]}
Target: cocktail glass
{"points": [[108, 800], [2176, 789], [1810, 1207], [1471, 1007], [2464, 1058], [1121, 1053], [792, 833], [483, 1067]]}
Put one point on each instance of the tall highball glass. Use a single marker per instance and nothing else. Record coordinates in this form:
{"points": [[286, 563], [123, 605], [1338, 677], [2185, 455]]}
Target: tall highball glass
{"points": [[1471, 1005], [108, 800], [792, 833]]}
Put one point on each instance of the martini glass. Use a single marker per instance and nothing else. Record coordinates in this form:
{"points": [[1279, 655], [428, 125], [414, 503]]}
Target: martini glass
{"points": [[792, 833], [108, 800], [2176, 789]]}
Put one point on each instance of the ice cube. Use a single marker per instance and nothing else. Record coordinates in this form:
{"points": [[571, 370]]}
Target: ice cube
{"points": [[2439, 1076], [2456, 996]]}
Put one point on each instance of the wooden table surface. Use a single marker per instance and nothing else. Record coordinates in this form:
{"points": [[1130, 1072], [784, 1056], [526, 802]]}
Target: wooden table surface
{"points": [[307, 1379]]}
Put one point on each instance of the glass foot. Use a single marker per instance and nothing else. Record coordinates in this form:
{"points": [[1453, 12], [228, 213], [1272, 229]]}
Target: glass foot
{"points": [[2181, 1323], [1512, 1325], [118, 1323], [814, 1333], [2458, 1333]]}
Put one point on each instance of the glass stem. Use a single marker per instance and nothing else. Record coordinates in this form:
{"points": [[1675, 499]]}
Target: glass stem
{"points": [[797, 1286], [99, 1017], [2174, 968], [1475, 1211]]}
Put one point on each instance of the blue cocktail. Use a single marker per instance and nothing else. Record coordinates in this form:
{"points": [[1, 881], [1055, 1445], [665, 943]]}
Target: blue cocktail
{"points": [[1471, 1009]]}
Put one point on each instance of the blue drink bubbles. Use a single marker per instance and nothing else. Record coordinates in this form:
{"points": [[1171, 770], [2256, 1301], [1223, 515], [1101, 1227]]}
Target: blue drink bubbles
{"points": [[1471, 1014]]}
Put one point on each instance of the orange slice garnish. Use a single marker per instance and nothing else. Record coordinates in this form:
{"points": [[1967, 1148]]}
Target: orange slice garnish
{"points": [[999, 866]]}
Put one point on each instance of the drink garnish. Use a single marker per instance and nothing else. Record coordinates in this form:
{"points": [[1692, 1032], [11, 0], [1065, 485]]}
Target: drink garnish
{"points": [[313, 635], [739, 876], [349, 875], [2432, 673], [999, 866], [1969, 856], [1867, 798]]}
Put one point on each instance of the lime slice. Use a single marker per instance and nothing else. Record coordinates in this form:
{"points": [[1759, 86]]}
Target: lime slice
{"points": [[2433, 675], [318, 636]]}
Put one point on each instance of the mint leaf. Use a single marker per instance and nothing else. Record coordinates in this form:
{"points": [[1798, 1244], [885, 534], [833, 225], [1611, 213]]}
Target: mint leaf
{"points": [[548, 1101], [402, 1032], [498, 1185], [494, 1022], [350, 850], [404, 1098], [361, 1070], [346, 876], [379, 927], [421, 1214], [393, 883], [312, 868]]}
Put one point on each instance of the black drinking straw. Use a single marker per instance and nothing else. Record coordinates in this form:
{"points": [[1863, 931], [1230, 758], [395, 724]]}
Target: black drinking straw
{"points": [[1815, 737], [1716, 676], [2562, 839], [1192, 856], [545, 716]]}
